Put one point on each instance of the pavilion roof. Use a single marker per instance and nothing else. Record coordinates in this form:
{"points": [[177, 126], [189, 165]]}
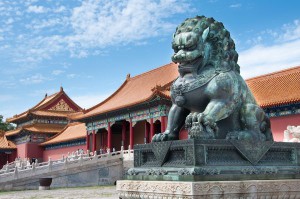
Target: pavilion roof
{"points": [[4, 143], [135, 90], [56, 105], [72, 131], [278, 88], [38, 128], [281, 87]]}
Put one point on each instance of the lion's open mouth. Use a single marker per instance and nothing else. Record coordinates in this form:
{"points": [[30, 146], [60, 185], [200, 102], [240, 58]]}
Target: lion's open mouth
{"points": [[189, 65]]}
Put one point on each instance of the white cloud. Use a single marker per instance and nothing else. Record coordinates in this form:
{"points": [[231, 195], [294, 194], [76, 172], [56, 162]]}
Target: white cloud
{"points": [[262, 59], [292, 31], [72, 75], [34, 79], [39, 24], [59, 9], [36, 9], [238, 5], [93, 26], [9, 21], [98, 24], [57, 72], [87, 101]]}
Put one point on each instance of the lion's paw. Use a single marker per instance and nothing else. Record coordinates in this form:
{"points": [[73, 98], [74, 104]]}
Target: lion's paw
{"points": [[189, 121], [164, 137], [156, 137]]}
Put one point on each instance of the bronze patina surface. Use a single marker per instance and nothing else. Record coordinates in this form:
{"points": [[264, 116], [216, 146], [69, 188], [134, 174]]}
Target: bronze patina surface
{"points": [[210, 97], [229, 134]]}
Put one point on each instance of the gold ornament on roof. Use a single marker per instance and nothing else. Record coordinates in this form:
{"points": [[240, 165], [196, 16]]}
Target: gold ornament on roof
{"points": [[61, 106]]}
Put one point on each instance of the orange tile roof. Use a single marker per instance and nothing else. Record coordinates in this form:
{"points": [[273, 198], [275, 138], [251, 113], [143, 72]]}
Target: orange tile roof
{"points": [[278, 88], [6, 144], [269, 90], [51, 113], [38, 128], [135, 90], [72, 131], [38, 109], [13, 132]]}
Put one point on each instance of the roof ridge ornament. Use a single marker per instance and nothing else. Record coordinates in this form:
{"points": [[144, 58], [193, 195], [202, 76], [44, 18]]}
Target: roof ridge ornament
{"points": [[157, 87], [128, 76]]}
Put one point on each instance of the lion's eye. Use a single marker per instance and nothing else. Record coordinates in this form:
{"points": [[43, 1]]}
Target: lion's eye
{"points": [[192, 47], [175, 48]]}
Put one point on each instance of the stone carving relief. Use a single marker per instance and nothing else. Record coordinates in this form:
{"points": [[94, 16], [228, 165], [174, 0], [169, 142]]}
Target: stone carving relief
{"points": [[61, 106], [292, 134]]}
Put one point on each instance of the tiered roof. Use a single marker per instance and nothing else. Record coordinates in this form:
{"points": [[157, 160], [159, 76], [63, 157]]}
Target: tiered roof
{"points": [[278, 88], [4, 143], [72, 131], [272, 89], [38, 128], [57, 105], [135, 90]]}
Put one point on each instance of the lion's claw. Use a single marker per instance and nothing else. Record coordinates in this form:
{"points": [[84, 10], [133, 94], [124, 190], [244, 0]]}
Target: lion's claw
{"points": [[164, 137]]}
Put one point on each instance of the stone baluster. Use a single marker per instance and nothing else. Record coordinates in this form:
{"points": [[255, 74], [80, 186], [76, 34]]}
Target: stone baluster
{"points": [[286, 136], [80, 159], [50, 164], [16, 172], [33, 166], [122, 151]]}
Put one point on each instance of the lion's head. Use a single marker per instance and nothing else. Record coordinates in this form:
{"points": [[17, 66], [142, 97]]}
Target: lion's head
{"points": [[200, 42]]}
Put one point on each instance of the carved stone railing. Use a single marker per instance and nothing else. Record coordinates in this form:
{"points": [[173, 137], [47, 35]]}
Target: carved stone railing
{"points": [[23, 171], [292, 134]]}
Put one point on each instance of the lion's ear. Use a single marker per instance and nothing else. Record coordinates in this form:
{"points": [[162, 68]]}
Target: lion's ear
{"points": [[205, 33]]}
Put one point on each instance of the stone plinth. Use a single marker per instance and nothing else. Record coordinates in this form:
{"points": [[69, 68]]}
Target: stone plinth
{"points": [[132, 189]]}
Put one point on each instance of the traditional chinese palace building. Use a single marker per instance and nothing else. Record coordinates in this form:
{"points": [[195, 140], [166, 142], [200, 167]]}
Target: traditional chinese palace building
{"points": [[40, 123], [134, 113], [7, 149]]}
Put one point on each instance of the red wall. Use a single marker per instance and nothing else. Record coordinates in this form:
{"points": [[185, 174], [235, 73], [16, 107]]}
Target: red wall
{"points": [[56, 154], [279, 124], [22, 150], [3, 159], [34, 151], [7, 157], [29, 150]]}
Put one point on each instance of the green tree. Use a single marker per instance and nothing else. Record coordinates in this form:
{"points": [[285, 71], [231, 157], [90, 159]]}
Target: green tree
{"points": [[5, 126]]}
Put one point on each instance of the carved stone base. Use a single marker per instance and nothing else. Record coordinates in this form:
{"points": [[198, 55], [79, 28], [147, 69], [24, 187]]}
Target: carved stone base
{"points": [[215, 160], [263, 189]]}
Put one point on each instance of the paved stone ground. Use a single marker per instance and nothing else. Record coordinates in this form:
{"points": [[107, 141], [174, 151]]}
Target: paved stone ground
{"points": [[103, 192]]}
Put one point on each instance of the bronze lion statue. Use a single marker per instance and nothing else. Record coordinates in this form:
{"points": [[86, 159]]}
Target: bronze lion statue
{"points": [[210, 97]]}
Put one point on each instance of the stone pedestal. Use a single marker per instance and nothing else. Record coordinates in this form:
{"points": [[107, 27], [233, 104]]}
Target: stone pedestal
{"points": [[263, 189]]}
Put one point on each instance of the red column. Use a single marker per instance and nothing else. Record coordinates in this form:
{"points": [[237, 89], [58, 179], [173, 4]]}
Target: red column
{"points": [[131, 132], [108, 136], [124, 134], [146, 132], [151, 129], [87, 141], [94, 141]]}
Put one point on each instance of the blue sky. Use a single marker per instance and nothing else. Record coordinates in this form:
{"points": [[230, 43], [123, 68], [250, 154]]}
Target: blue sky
{"points": [[89, 47]]}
